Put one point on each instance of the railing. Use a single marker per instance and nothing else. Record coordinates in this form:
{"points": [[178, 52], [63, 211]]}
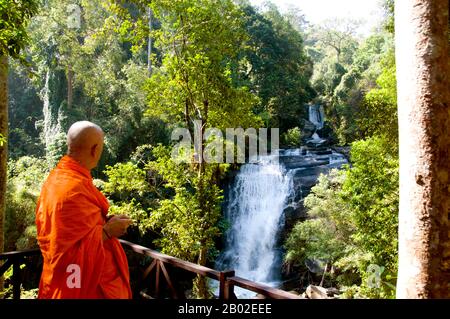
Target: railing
{"points": [[227, 279], [16, 259]]}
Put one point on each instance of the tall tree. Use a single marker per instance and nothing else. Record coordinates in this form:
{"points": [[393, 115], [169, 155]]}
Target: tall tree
{"points": [[275, 67], [200, 41], [423, 68], [87, 71], [15, 15]]}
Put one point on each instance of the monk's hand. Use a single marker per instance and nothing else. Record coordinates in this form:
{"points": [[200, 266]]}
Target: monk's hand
{"points": [[117, 225]]}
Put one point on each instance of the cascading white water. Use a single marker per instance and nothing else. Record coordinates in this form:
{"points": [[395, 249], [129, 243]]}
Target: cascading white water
{"points": [[316, 116], [50, 129], [255, 213]]}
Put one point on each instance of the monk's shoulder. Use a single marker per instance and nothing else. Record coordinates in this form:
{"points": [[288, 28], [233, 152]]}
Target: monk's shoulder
{"points": [[61, 186]]}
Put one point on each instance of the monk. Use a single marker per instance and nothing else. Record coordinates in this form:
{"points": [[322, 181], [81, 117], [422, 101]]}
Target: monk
{"points": [[82, 255]]}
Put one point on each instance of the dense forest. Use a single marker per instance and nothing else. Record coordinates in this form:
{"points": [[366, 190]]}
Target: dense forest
{"points": [[140, 69]]}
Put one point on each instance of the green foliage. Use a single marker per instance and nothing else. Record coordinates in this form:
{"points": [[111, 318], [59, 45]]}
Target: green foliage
{"points": [[15, 16], [104, 77], [275, 66], [129, 193], [371, 191], [125, 180], [187, 220], [7, 292], [380, 105], [327, 234], [135, 211], [228, 65], [56, 149], [344, 72], [292, 138], [2, 140], [25, 177], [194, 81], [389, 24], [353, 215], [353, 221]]}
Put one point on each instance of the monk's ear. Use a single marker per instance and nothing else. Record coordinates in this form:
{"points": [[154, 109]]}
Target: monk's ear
{"points": [[94, 149]]}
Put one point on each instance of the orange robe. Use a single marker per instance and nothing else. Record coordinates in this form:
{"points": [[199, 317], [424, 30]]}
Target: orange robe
{"points": [[70, 215]]}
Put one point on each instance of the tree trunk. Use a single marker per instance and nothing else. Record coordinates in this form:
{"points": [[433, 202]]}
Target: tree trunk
{"points": [[4, 148], [200, 283], [150, 46], [201, 288], [422, 55]]}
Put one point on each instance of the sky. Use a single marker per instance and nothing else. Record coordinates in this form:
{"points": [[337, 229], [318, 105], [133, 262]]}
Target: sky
{"points": [[319, 10]]}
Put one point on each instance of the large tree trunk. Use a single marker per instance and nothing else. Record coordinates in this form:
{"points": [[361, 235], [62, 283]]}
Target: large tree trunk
{"points": [[4, 148], [422, 55]]}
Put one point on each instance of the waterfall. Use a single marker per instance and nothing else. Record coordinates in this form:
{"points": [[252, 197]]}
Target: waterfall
{"points": [[254, 210], [316, 116], [50, 129], [52, 134]]}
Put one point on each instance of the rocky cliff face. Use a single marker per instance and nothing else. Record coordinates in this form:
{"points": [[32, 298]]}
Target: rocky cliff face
{"points": [[305, 165]]}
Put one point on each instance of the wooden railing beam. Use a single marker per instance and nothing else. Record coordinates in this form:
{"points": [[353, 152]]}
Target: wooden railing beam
{"points": [[195, 268], [8, 263], [227, 279], [20, 253], [261, 289], [158, 267], [169, 282]]}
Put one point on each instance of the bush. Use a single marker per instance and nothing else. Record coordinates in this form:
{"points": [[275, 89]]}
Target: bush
{"points": [[291, 138], [353, 222], [129, 192], [25, 177], [372, 193], [326, 235]]}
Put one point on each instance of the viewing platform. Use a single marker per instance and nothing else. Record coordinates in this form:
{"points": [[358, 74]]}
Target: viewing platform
{"points": [[149, 287]]}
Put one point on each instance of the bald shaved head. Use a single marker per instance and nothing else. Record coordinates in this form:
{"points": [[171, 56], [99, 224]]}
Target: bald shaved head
{"points": [[85, 143]]}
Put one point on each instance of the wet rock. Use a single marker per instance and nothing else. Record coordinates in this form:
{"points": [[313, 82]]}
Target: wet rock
{"points": [[308, 129], [303, 163], [294, 214], [324, 152], [344, 150], [307, 173], [315, 143]]}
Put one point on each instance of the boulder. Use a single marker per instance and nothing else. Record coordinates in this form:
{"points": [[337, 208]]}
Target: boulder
{"points": [[304, 174], [344, 150], [316, 292], [316, 143], [308, 129], [303, 163], [293, 214]]}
